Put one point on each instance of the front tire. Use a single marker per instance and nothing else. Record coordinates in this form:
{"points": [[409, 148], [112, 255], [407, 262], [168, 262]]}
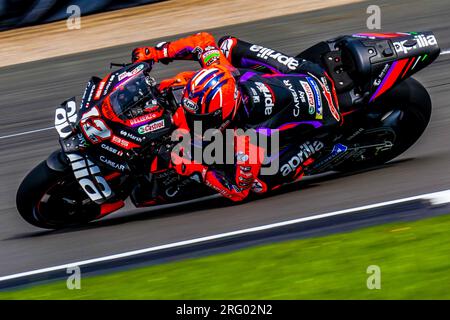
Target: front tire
{"points": [[53, 199]]}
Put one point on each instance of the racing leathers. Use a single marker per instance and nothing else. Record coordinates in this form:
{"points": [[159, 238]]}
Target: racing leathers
{"points": [[276, 91]]}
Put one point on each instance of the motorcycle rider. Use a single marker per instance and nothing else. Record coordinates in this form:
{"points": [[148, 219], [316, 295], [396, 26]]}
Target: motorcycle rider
{"points": [[244, 85]]}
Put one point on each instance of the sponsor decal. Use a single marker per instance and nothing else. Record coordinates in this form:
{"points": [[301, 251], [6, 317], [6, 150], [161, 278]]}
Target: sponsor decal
{"points": [[123, 143], [269, 97], [355, 134], [317, 97], [421, 42], [112, 150], [108, 86], [89, 177], [327, 94], [115, 165], [122, 76], [190, 105], [98, 94], [391, 77], [82, 141], [226, 47], [266, 53], [307, 149], [89, 99], [128, 74], [255, 96], [380, 77], [338, 149], [221, 191], [209, 57], [151, 127], [296, 110], [127, 134], [137, 69], [301, 95], [310, 97], [142, 119], [86, 99]]}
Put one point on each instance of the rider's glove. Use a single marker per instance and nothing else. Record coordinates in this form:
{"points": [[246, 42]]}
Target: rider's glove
{"points": [[187, 167], [144, 54], [160, 53]]}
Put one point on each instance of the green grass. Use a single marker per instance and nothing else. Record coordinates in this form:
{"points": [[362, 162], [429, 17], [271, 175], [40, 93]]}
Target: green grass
{"points": [[414, 258]]}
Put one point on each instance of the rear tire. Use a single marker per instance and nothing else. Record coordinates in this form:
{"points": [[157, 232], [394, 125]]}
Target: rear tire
{"points": [[405, 111], [52, 199]]}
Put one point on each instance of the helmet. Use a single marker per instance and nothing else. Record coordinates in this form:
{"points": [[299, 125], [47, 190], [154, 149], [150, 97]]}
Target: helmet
{"points": [[212, 97]]}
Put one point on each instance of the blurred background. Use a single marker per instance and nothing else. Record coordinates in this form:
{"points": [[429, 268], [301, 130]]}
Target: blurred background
{"points": [[20, 13]]}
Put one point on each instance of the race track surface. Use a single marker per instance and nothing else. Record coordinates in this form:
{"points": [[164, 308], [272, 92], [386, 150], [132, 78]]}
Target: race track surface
{"points": [[30, 92]]}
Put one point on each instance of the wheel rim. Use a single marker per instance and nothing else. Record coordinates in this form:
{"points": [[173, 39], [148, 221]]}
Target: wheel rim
{"points": [[65, 203]]}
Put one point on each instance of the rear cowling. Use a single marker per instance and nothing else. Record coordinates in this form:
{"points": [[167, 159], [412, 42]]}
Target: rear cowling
{"points": [[380, 61], [372, 63]]}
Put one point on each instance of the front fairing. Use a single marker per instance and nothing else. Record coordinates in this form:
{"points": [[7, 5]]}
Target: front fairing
{"points": [[104, 143]]}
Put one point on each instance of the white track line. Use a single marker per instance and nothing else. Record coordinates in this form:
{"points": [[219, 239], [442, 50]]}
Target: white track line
{"points": [[26, 132], [436, 198], [445, 51]]}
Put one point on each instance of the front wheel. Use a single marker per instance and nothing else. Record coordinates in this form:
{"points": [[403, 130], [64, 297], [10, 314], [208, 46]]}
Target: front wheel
{"points": [[395, 123], [53, 199]]}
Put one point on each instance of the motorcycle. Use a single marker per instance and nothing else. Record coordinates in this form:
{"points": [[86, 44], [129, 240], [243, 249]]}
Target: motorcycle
{"points": [[103, 162]]}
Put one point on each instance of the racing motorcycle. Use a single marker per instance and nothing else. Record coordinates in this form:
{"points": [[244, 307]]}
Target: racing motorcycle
{"points": [[102, 162]]}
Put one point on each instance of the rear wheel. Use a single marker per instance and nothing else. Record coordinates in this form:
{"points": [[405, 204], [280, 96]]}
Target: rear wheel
{"points": [[395, 124], [53, 199]]}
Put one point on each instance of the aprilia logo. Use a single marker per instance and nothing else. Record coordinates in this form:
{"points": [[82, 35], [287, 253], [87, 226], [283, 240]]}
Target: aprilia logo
{"points": [[269, 99], [306, 151], [265, 53], [422, 42]]}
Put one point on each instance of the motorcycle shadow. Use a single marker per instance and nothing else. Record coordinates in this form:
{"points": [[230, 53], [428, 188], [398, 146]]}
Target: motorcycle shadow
{"points": [[176, 210]]}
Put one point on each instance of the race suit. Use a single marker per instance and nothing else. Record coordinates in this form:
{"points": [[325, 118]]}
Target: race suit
{"points": [[278, 92]]}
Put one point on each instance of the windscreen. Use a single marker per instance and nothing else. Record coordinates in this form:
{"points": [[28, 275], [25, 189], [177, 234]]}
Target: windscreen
{"points": [[130, 95]]}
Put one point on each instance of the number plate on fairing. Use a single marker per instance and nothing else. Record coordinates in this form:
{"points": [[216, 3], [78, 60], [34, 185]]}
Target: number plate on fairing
{"points": [[86, 172], [66, 117]]}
